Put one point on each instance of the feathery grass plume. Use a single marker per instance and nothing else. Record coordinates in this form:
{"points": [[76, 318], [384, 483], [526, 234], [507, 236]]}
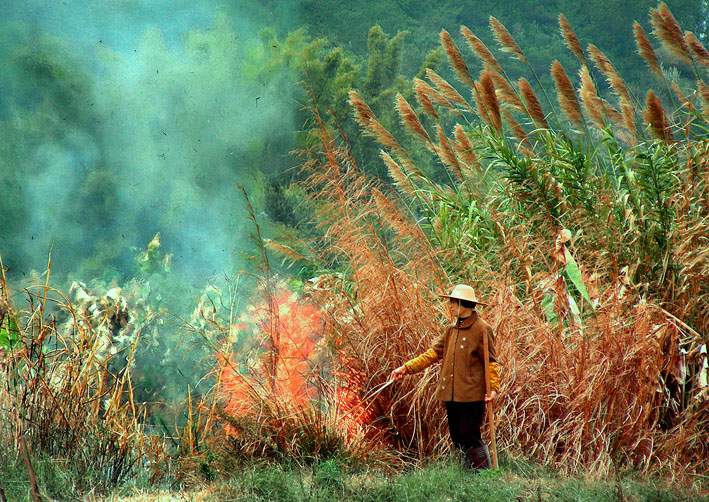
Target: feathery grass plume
{"points": [[410, 120], [362, 112], [534, 108], [589, 98], [423, 97], [655, 116], [447, 90], [464, 147], [365, 117], [515, 126], [455, 58], [447, 155], [483, 112], [490, 98], [566, 94], [505, 92], [401, 180], [506, 40], [667, 30], [697, 47], [645, 48], [479, 48], [615, 81], [570, 38]]}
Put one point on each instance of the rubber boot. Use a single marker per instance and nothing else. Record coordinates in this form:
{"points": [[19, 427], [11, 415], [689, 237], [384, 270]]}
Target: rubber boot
{"points": [[477, 457]]}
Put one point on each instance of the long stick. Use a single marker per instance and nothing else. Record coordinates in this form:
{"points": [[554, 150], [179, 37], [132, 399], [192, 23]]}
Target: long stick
{"points": [[488, 405], [34, 489]]}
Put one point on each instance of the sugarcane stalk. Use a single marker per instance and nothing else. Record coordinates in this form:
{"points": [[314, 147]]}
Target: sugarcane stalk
{"points": [[488, 405]]}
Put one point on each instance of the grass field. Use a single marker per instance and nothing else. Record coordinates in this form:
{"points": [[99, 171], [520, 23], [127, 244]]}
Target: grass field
{"points": [[333, 480]]}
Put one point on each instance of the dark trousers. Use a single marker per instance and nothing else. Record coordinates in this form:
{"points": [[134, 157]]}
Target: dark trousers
{"points": [[464, 421]]}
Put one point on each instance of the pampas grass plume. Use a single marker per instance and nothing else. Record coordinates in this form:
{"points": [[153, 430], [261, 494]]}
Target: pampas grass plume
{"points": [[566, 94], [570, 38], [506, 40], [479, 48], [455, 58], [645, 48], [667, 30], [446, 89], [490, 98], [534, 108], [655, 116]]}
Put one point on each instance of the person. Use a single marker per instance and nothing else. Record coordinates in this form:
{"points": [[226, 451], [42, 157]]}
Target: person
{"points": [[461, 382]]}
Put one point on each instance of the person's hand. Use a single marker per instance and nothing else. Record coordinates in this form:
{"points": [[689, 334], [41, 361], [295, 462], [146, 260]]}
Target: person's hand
{"points": [[398, 373], [491, 396]]}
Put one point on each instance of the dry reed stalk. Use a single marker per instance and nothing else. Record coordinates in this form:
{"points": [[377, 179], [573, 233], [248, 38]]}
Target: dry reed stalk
{"points": [[505, 40], [447, 155], [615, 81], [455, 58], [505, 91], [410, 120], [566, 94], [668, 31], [464, 148], [613, 115], [284, 250], [681, 96], [393, 216], [592, 104], [655, 116], [423, 98], [534, 108], [703, 90], [447, 90], [489, 97], [645, 49], [479, 48], [515, 126], [701, 53], [570, 38]]}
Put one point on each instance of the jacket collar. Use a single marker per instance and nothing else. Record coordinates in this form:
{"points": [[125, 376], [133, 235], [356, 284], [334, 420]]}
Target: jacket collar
{"points": [[467, 322]]}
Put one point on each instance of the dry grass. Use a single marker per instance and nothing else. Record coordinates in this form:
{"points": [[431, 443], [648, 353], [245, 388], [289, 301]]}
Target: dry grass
{"points": [[66, 388], [608, 379]]}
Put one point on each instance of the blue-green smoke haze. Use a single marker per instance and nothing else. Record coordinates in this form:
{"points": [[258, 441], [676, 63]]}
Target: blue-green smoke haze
{"points": [[123, 119]]}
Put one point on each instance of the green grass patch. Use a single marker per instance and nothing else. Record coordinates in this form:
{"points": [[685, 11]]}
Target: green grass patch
{"points": [[334, 479]]}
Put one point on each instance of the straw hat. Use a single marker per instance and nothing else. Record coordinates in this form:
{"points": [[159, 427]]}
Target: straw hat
{"points": [[464, 292]]}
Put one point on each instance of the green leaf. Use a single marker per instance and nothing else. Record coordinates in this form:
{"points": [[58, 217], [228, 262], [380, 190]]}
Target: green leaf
{"points": [[548, 306], [9, 335], [574, 274]]}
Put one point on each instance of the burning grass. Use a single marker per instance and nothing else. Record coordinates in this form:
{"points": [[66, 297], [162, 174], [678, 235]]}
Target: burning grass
{"points": [[277, 395]]}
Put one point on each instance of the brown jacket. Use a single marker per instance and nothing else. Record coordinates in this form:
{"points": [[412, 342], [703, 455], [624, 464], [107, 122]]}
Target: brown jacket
{"points": [[460, 348]]}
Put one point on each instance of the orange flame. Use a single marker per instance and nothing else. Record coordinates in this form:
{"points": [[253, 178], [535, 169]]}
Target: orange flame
{"points": [[288, 336]]}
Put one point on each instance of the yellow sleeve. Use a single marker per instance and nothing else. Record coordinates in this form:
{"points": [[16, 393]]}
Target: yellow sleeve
{"points": [[494, 375], [421, 362], [429, 357]]}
